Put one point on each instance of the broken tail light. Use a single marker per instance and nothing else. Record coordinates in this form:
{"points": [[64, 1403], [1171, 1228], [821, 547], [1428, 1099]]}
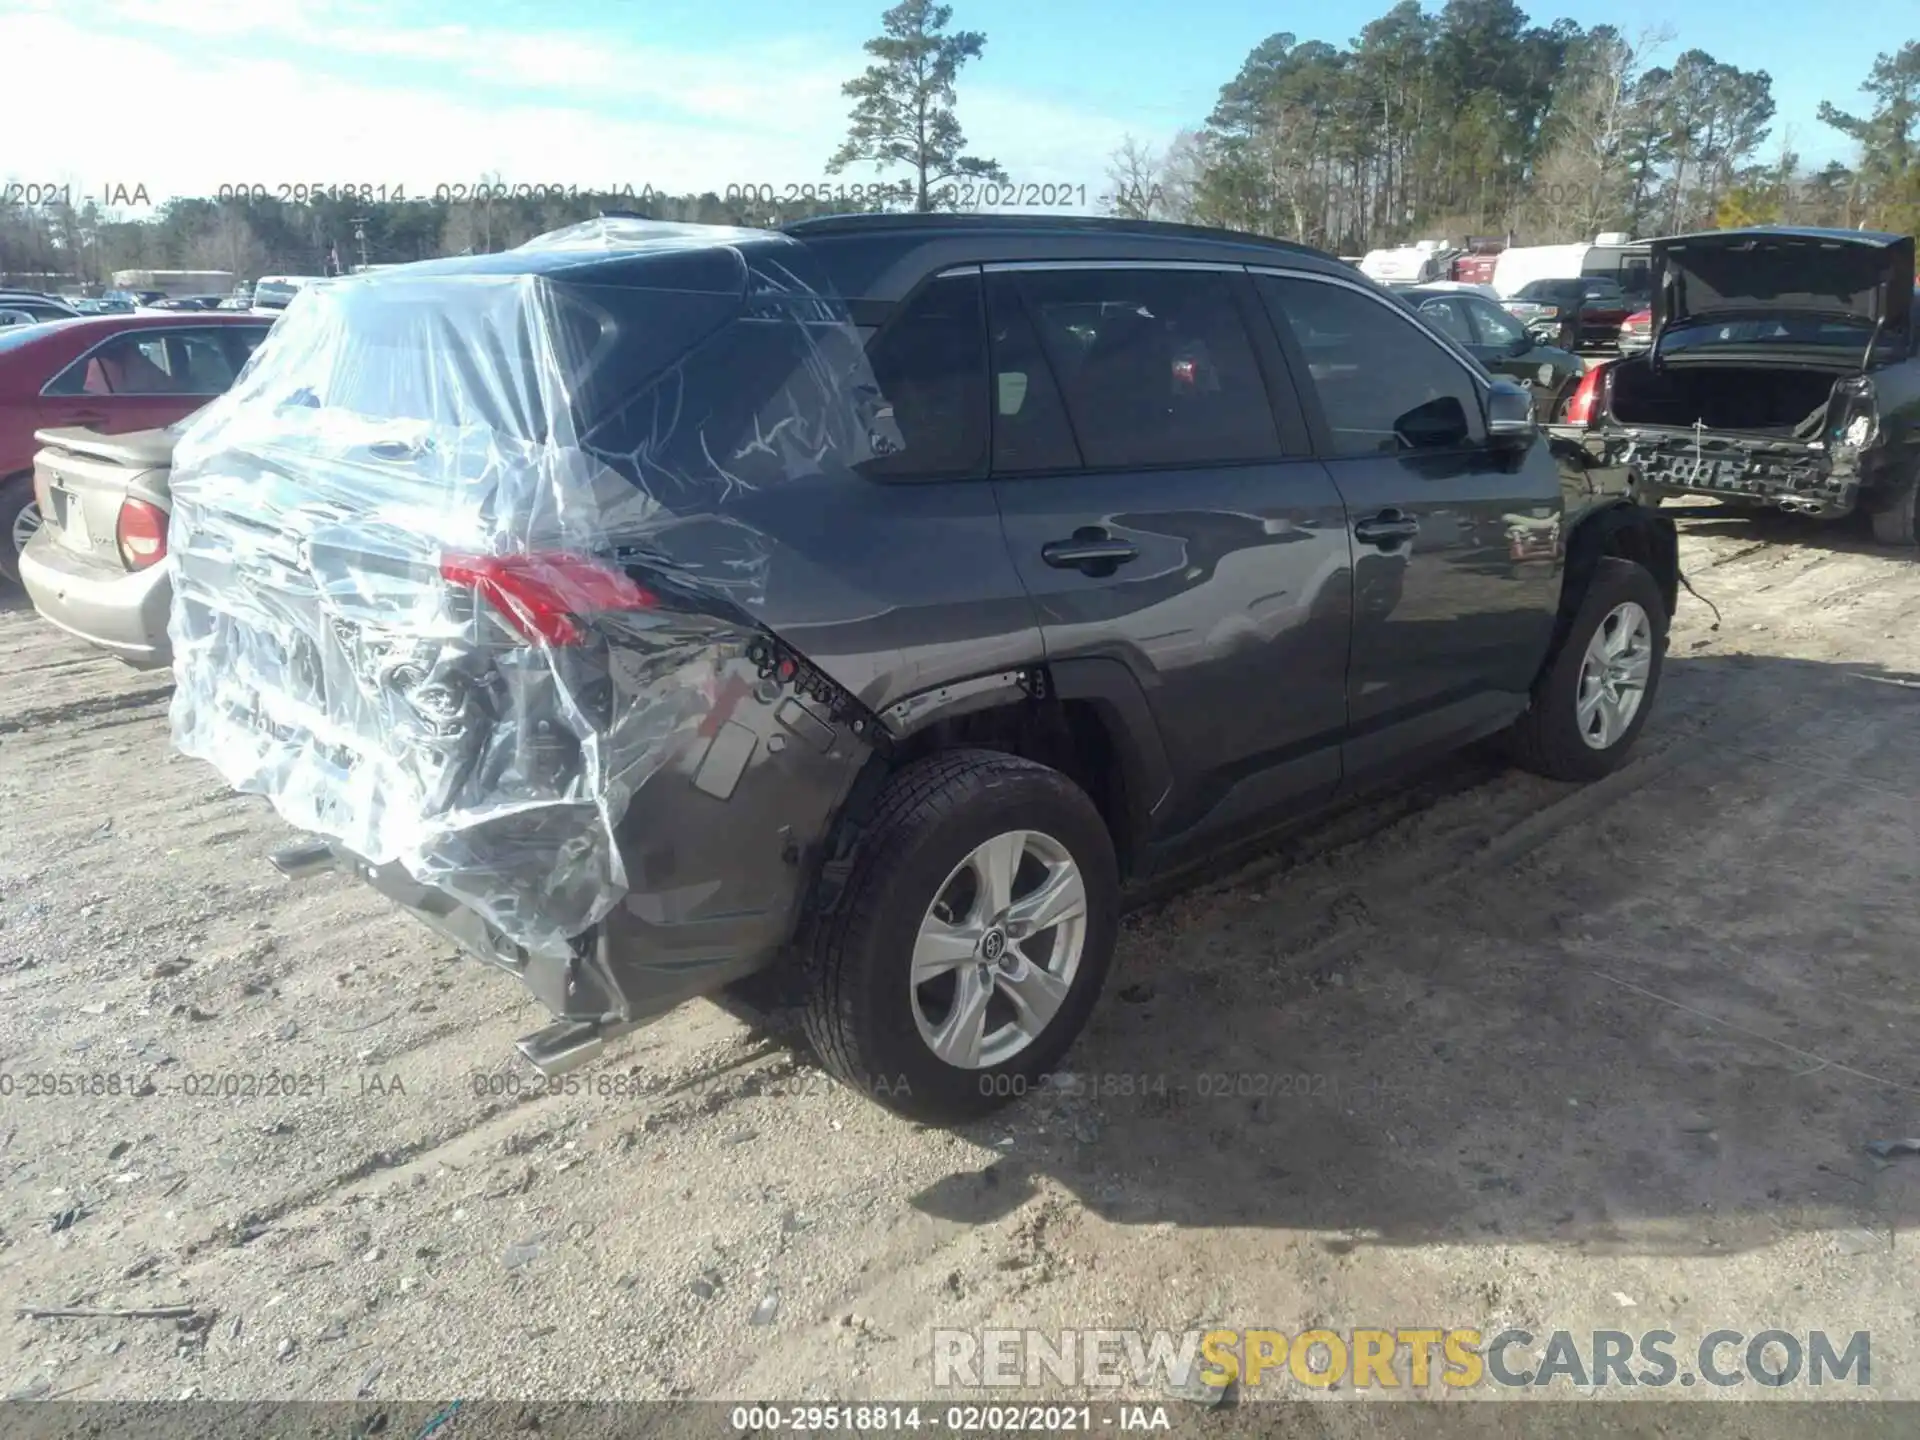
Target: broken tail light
{"points": [[1586, 398], [548, 597], [141, 534]]}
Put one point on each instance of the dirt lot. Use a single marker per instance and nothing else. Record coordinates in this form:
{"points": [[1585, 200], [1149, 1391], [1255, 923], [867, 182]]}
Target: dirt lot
{"points": [[1540, 1056]]}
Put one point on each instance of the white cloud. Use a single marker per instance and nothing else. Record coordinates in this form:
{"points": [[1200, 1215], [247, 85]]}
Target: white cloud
{"points": [[188, 115]]}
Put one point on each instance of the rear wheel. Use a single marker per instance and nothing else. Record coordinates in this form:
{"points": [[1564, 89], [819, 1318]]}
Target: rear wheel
{"points": [[1894, 519], [19, 519], [1593, 699], [972, 938]]}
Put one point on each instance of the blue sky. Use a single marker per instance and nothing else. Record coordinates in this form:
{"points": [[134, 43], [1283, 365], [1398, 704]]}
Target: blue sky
{"points": [[686, 94]]}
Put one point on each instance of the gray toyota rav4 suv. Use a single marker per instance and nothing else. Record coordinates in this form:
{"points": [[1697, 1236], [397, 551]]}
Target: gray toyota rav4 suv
{"points": [[879, 604]]}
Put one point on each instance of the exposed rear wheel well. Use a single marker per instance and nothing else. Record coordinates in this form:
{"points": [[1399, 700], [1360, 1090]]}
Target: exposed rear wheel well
{"points": [[1070, 736], [1636, 533]]}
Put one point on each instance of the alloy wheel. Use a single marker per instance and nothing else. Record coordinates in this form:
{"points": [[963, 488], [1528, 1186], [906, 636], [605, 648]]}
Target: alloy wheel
{"points": [[1613, 675], [25, 524], [998, 949]]}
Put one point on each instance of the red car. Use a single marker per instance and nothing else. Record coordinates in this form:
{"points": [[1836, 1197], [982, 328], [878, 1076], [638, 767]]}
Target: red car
{"points": [[107, 373], [1636, 332]]}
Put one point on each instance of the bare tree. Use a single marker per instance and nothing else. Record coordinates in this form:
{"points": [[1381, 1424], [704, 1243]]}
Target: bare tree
{"points": [[1584, 182], [1180, 172], [1133, 175]]}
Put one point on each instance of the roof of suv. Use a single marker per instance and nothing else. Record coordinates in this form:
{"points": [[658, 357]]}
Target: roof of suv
{"points": [[877, 259], [870, 261]]}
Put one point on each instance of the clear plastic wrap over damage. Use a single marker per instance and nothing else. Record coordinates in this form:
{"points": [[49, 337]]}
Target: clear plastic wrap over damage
{"points": [[461, 560]]}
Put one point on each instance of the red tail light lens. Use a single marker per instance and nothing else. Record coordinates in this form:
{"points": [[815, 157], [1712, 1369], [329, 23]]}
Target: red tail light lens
{"points": [[141, 533], [545, 597], [1586, 398]]}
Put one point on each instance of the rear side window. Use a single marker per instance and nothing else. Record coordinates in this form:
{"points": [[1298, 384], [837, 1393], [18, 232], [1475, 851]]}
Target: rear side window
{"points": [[930, 363], [1496, 327], [1385, 386], [1449, 317], [1156, 366], [151, 362]]}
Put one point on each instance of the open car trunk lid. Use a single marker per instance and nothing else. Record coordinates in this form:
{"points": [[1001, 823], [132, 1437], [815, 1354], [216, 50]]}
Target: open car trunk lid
{"points": [[465, 559], [1778, 271]]}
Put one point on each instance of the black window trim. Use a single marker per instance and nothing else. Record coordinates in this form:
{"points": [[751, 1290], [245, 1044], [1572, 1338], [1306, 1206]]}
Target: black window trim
{"points": [[47, 390], [1481, 377], [1289, 430], [897, 312]]}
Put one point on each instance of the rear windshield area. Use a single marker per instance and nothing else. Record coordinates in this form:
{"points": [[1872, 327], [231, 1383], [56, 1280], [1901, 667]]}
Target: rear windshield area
{"points": [[1550, 290], [517, 356], [513, 396]]}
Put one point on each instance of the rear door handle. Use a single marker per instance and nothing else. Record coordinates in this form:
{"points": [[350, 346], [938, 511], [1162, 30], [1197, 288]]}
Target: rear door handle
{"points": [[1388, 528], [1091, 549]]}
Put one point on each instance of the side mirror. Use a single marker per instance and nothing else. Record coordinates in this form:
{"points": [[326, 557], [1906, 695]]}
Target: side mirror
{"points": [[1440, 424], [1510, 422], [1519, 345]]}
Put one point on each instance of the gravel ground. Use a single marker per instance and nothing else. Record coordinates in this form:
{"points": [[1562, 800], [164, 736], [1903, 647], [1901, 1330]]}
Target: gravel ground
{"points": [[1490, 1051]]}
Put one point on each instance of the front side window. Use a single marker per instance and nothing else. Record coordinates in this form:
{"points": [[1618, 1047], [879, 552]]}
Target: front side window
{"points": [[1155, 366], [1385, 386]]}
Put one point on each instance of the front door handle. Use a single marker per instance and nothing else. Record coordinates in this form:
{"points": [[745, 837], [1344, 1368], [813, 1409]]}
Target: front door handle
{"points": [[1387, 529], [1091, 549]]}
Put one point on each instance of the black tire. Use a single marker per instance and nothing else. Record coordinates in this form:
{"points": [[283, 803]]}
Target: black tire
{"points": [[932, 815], [16, 494], [1562, 398], [1894, 518], [1547, 739]]}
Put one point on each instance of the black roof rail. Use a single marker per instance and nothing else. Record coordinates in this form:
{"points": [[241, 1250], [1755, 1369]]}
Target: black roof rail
{"points": [[907, 221]]}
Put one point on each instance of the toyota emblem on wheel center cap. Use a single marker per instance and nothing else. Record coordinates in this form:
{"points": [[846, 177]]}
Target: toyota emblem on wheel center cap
{"points": [[993, 945]]}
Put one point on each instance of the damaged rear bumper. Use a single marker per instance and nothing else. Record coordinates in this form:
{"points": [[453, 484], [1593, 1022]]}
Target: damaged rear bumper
{"points": [[720, 848], [1804, 477]]}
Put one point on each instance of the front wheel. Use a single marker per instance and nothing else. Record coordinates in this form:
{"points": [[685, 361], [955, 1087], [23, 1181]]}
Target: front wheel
{"points": [[1593, 699], [971, 940]]}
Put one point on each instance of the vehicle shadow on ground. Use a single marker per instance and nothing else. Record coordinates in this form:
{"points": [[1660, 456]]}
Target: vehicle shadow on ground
{"points": [[1850, 536], [1672, 1028]]}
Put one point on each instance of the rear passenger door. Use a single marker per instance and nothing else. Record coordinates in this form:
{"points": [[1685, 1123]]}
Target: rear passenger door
{"points": [[1448, 625], [1165, 513]]}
